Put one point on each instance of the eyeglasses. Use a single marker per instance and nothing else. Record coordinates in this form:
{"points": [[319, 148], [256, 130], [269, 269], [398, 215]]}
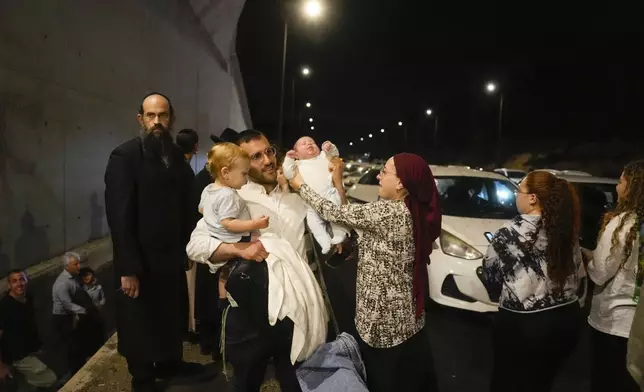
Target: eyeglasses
{"points": [[384, 172], [259, 156]]}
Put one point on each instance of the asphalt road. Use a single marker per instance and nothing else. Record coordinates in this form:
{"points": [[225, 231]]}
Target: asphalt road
{"points": [[462, 348]]}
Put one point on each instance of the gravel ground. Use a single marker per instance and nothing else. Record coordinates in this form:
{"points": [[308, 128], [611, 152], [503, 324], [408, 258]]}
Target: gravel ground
{"points": [[109, 373]]}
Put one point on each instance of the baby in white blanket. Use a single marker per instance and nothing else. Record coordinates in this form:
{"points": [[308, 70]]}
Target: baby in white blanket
{"points": [[313, 165]]}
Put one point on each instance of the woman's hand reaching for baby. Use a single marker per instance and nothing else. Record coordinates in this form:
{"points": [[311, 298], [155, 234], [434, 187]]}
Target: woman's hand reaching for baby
{"points": [[281, 180], [336, 167], [297, 181]]}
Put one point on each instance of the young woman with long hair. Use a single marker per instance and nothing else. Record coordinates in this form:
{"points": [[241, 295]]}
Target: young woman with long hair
{"points": [[535, 262], [616, 268]]}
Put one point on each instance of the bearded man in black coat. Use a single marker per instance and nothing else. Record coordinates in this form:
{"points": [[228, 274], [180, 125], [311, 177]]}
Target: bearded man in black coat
{"points": [[149, 212]]}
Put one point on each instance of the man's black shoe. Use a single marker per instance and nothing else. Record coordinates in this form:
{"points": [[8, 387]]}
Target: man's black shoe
{"points": [[205, 350], [191, 337]]}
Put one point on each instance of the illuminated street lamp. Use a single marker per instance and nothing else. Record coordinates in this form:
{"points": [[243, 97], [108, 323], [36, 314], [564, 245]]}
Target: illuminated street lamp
{"points": [[308, 104], [406, 136], [306, 71], [312, 128], [311, 119], [429, 113], [351, 143], [492, 88], [311, 10], [370, 135], [362, 139], [382, 130]]}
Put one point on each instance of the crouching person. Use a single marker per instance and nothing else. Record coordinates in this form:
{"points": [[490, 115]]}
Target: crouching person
{"points": [[19, 340]]}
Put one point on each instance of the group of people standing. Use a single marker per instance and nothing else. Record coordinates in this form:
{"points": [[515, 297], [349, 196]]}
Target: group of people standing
{"points": [[151, 212], [537, 265], [534, 262]]}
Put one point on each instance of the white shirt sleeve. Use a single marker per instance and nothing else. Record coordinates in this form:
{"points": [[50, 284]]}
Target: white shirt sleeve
{"points": [[606, 262], [202, 201], [288, 166], [333, 151], [201, 245]]}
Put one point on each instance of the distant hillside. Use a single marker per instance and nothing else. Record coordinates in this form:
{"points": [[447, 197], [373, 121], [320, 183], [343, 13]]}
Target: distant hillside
{"points": [[601, 158]]}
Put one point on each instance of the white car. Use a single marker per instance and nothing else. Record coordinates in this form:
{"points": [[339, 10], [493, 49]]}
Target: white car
{"points": [[475, 205], [597, 195], [353, 171], [515, 175]]}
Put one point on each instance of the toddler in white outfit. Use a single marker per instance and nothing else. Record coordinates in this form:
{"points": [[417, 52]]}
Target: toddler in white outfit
{"points": [[313, 164], [224, 211]]}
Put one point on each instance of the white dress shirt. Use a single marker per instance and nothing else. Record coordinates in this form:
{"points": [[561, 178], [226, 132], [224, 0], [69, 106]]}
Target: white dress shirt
{"points": [[286, 213]]}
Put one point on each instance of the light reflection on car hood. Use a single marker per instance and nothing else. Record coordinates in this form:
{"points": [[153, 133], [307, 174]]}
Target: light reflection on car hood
{"points": [[472, 230]]}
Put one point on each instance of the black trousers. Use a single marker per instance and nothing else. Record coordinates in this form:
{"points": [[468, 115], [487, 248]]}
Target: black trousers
{"points": [[609, 371], [408, 366], [250, 347], [69, 341], [207, 312], [90, 332], [533, 343], [145, 373]]}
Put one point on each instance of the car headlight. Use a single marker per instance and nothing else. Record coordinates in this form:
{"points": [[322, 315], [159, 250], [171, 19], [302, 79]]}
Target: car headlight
{"points": [[453, 246]]}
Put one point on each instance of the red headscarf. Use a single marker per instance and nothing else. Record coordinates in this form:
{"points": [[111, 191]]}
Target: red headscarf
{"points": [[422, 201]]}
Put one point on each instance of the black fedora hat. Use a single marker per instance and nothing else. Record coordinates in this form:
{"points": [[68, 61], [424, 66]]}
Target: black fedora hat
{"points": [[227, 135]]}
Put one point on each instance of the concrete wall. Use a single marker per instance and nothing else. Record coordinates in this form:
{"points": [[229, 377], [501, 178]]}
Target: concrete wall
{"points": [[72, 74]]}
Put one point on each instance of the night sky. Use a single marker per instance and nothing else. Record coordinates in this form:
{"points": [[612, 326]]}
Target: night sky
{"points": [[568, 75]]}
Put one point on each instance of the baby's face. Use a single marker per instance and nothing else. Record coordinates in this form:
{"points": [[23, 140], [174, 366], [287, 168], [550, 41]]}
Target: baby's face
{"points": [[237, 175], [306, 148]]}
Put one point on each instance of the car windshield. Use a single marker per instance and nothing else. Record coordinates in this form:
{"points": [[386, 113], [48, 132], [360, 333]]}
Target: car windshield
{"points": [[350, 168], [595, 200], [370, 177], [477, 197]]}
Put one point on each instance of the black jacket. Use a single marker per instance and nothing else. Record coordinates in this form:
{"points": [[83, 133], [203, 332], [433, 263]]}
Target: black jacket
{"points": [[148, 213]]}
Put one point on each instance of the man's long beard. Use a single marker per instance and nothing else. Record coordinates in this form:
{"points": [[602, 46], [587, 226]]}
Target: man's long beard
{"points": [[158, 141]]}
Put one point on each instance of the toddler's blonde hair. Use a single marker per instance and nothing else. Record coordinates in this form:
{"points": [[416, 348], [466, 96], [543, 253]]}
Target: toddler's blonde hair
{"points": [[224, 155]]}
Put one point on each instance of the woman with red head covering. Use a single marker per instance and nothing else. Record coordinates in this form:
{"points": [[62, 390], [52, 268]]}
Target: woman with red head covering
{"points": [[398, 232]]}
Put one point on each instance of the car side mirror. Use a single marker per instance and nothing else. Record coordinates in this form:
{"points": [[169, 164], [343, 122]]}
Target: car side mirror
{"points": [[489, 236]]}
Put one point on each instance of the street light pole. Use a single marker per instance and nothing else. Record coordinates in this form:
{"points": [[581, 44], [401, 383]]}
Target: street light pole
{"points": [[280, 125], [499, 140], [491, 88], [435, 136]]}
